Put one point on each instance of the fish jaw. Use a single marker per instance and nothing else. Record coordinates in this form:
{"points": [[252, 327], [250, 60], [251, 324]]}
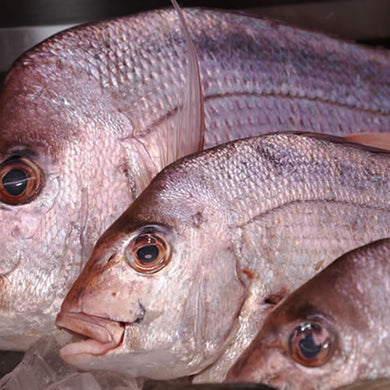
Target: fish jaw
{"points": [[103, 334]]}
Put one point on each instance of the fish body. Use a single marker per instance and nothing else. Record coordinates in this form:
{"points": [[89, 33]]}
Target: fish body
{"points": [[87, 116], [330, 332], [182, 281]]}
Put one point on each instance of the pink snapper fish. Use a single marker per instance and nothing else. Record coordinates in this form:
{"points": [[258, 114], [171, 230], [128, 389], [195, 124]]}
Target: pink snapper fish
{"points": [[330, 332], [181, 282], [89, 116]]}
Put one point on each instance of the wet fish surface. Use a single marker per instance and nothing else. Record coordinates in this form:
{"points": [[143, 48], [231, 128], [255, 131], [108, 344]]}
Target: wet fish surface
{"points": [[330, 332], [86, 118], [180, 284]]}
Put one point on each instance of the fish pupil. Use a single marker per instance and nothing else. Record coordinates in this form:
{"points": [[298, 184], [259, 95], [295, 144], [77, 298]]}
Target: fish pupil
{"points": [[147, 253], [15, 182], [308, 347]]}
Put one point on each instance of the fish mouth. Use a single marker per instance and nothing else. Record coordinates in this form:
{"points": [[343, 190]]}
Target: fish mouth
{"points": [[102, 334]]}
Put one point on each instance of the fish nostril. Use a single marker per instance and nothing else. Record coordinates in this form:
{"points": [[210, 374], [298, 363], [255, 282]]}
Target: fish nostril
{"points": [[104, 260], [111, 258], [107, 259]]}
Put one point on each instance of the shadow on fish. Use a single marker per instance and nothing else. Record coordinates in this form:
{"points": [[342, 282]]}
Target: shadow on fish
{"points": [[89, 116], [330, 332], [182, 281]]}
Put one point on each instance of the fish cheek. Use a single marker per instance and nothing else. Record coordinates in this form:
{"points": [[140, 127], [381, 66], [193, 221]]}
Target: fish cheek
{"points": [[220, 295], [191, 308], [33, 245], [20, 227]]}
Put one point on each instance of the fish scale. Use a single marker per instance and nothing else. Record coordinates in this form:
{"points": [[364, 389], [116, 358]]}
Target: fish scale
{"points": [[94, 108], [245, 222], [280, 169], [275, 64]]}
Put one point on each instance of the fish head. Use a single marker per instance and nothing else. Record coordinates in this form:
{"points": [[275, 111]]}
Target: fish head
{"points": [[164, 276], [70, 143], [51, 174], [287, 353], [309, 341]]}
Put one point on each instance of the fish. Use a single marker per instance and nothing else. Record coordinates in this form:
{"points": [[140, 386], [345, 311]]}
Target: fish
{"points": [[330, 332], [43, 369], [180, 283], [90, 116]]}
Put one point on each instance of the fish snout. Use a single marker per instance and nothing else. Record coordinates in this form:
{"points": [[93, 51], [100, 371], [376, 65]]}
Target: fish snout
{"points": [[96, 273], [249, 367], [86, 313], [241, 371], [103, 290]]}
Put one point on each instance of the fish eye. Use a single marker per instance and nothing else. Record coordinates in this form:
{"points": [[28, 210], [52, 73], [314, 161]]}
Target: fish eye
{"points": [[148, 253], [20, 181], [311, 344]]}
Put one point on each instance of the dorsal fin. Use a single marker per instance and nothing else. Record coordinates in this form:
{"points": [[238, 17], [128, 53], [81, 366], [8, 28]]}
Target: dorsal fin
{"points": [[188, 136]]}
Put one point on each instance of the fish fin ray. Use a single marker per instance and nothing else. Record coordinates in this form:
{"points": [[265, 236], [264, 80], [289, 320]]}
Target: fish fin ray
{"points": [[148, 156], [378, 140], [188, 134], [141, 164]]}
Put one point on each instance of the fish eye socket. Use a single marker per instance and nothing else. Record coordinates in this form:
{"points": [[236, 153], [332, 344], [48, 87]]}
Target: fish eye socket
{"points": [[20, 181], [148, 253], [311, 344]]}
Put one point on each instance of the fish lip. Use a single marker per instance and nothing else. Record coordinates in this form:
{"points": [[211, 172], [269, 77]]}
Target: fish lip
{"points": [[103, 334]]}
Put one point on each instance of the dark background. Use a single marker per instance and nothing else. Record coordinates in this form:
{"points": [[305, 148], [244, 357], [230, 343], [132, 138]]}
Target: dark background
{"points": [[32, 12]]}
